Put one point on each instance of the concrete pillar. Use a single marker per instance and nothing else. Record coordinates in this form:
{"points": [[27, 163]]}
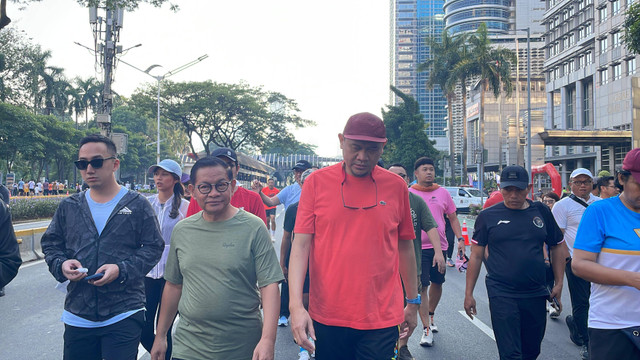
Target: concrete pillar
{"points": [[563, 108], [579, 105], [549, 118]]}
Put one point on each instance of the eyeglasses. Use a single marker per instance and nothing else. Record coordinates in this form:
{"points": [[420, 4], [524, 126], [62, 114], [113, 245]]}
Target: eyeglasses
{"points": [[580, 183], [551, 201], [95, 163], [206, 188], [355, 207]]}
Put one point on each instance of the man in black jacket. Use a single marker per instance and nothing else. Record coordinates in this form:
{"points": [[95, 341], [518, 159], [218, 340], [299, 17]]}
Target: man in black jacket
{"points": [[105, 230], [9, 252]]}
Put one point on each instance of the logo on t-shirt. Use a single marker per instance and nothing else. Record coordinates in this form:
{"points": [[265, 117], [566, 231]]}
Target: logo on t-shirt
{"points": [[637, 232], [503, 222], [125, 211], [538, 222]]}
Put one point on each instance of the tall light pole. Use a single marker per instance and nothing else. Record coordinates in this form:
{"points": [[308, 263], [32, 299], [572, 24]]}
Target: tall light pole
{"points": [[159, 80], [528, 161]]}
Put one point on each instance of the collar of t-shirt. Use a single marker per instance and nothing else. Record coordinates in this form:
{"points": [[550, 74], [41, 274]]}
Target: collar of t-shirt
{"points": [[100, 212]]}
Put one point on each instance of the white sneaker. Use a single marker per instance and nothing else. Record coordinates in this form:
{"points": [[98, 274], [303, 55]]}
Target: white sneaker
{"points": [[553, 313], [434, 327], [427, 338], [303, 355], [283, 321]]}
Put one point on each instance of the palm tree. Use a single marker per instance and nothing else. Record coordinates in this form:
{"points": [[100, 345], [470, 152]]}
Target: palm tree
{"points": [[461, 78], [89, 91], [491, 65], [448, 50]]}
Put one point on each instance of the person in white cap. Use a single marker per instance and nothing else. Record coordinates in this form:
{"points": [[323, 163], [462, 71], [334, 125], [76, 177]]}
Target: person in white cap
{"points": [[568, 214], [170, 207]]}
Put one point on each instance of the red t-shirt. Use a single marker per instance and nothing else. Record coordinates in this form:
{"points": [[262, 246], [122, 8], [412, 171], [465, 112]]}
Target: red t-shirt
{"points": [[242, 199], [494, 198], [269, 193], [353, 263]]}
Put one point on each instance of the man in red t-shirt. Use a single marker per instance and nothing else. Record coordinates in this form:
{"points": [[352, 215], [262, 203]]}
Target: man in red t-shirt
{"points": [[270, 190], [242, 198], [354, 231]]}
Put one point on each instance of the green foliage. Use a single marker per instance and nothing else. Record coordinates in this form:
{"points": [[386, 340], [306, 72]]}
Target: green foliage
{"points": [[632, 28], [26, 208], [475, 209], [20, 133], [406, 136]]}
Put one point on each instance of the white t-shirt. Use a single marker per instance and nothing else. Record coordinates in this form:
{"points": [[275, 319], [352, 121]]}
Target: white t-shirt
{"points": [[568, 214]]}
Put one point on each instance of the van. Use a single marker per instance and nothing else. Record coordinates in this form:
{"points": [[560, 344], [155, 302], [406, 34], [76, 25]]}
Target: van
{"points": [[463, 197]]}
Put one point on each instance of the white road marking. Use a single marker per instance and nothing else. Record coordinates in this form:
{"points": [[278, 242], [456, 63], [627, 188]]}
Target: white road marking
{"points": [[479, 324], [31, 264]]}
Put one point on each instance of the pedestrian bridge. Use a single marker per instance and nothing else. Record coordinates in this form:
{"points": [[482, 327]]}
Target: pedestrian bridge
{"points": [[586, 137]]}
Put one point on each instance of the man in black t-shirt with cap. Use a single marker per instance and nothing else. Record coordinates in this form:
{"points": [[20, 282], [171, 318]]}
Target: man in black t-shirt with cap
{"points": [[515, 232]]}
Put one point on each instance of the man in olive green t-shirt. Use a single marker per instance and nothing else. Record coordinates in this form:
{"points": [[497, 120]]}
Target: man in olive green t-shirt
{"points": [[422, 221], [217, 257]]}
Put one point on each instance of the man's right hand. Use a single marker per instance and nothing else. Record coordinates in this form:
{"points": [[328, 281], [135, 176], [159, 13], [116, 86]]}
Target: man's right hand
{"points": [[302, 328], [159, 349], [256, 185], [470, 306], [70, 270], [285, 271]]}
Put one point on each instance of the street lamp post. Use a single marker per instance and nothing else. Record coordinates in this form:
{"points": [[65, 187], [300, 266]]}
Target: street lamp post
{"points": [[528, 161], [159, 80]]}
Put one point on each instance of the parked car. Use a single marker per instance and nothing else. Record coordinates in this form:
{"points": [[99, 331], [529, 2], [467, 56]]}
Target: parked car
{"points": [[464, 196]]}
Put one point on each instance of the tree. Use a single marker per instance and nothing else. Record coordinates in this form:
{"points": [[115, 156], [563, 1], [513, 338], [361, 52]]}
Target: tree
{"points": [[237, 116], [20, 133], [448, 54], [407, 139], [632, 28], [89, 91]]}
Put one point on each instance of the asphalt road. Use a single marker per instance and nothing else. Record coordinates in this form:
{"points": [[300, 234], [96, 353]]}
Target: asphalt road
{"points": [[31, 328]]}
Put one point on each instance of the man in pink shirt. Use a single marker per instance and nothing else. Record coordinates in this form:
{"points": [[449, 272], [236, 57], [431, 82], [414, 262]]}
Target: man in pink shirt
{"points": [[440, 203]]}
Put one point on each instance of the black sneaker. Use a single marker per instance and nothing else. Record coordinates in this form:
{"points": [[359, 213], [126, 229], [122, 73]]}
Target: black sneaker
{"points": [[404, 354], [584, 352], [573, 331]]}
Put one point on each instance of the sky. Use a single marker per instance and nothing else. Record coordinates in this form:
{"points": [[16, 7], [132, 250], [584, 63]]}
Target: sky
{"points": [[331, 56]]}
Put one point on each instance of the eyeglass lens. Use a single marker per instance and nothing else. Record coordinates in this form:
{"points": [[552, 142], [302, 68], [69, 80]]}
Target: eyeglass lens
{"points": [[95, 163], [206, 188]]}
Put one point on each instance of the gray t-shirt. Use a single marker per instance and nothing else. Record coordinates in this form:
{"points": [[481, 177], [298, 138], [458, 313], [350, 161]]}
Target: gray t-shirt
{"points": [[219, 265]]}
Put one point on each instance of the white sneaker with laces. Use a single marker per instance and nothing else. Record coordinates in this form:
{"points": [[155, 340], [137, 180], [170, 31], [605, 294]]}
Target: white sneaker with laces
{"points": [[433, 327], [553, 313], [427, 338], [283, 321]]}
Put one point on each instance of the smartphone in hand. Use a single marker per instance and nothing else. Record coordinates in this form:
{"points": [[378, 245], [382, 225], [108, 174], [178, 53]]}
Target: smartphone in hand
{"points": [[96, 276]]}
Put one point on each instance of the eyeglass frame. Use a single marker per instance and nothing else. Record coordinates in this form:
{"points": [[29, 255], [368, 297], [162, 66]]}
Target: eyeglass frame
{"points": [[580, 183], [353, 207], [211, 186], [96, 163]]}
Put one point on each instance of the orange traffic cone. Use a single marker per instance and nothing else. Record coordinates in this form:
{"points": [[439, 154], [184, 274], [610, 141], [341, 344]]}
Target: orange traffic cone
{"points": [[465, 234], [67, 192]]}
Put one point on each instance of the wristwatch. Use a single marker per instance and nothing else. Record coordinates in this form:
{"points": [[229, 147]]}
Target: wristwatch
{"points": [[461, 239], [416, 301]]}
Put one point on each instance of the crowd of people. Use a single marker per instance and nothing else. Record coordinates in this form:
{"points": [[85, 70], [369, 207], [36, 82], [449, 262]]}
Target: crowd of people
{"points": [[363, 256], [38, 188]]}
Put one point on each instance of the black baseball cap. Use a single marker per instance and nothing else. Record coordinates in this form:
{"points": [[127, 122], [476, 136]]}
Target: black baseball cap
{"points": [[226, 152], [514, 175], [302, 165]]}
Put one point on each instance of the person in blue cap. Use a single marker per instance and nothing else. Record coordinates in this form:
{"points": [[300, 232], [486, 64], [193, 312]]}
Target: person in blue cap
{"points": [[170, 207]]}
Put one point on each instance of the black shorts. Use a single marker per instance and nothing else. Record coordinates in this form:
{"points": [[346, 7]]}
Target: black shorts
{"points": [[271, 212], [430, 273], [613, 344], [342, 343]]}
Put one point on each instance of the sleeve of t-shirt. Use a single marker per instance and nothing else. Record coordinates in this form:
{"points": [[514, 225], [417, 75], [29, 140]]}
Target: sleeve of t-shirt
{"points": [[480, 236], [591, 235], [427, 221], [405, 227], [554, 234], [257, 207], [284, 194], [450, 206], [193, 208], [290, 218], [268, 269], [306, 217], [172, 271], [560, 215]]}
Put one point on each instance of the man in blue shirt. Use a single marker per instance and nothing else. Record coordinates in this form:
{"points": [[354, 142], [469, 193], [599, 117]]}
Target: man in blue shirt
{"points": [[290, 194]]}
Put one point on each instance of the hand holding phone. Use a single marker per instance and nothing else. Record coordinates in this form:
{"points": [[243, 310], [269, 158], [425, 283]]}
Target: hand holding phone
{"points": [[96, 276]]}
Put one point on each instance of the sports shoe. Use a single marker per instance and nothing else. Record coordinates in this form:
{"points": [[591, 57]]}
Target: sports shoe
{"points": [[450, 262], [404, 354], [283, 321], [573, 331], [553, 313], [584, 352], [434, 327], [303, 355], [427, 338]]}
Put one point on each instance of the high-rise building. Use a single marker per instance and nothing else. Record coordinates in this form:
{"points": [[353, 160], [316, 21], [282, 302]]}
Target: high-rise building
{"points": [[412, 22]]}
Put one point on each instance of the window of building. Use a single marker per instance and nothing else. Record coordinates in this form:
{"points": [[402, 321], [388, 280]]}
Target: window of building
{"points": [[586, 104], [572, 66], [631, 66], [617, 39], [569, 108], [604, 76], [617, 71], [604, 44], [589, 56], [615, 7], [581, 61], [603, 14], [570, 11], [571, 39]]}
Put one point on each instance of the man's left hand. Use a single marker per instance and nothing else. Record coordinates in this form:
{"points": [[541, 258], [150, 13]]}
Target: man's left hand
{"points": [[438, 260], [110, 271], [410, 320], [557, 293], [264, 350]]}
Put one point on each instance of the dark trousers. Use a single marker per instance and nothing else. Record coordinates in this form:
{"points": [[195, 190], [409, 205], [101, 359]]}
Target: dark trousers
{"points": [[118, 341], [518, 325], [342, 343], [579, 290], [153, 291], [284, 299], [450, 237], [613, 344]]}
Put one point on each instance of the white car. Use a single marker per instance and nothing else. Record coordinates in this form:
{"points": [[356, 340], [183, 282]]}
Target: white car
{"points": [[463, 197]]}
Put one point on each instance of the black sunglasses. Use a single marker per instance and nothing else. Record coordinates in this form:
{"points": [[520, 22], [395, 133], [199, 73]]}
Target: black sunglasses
{"points": [[95, 163], [356, 207]]}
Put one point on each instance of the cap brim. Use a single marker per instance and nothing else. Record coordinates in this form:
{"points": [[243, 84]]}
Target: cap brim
{"points": [[365, 138], [519, 184], [300, 168], [228, 157], [185, 177], [153, 168]]}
